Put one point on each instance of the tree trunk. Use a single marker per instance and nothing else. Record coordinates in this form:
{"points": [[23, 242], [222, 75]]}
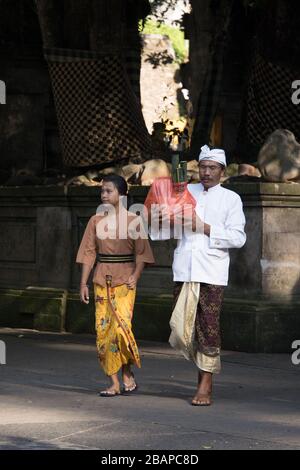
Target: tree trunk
{"points": [[278, 32], [218, 16], [76, 26], [106, 24], [276, 64], [50, 13]]}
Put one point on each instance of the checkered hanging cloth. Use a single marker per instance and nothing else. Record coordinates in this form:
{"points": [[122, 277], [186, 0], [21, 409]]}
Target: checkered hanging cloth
{"points": [[269, 101], [99, 117]]}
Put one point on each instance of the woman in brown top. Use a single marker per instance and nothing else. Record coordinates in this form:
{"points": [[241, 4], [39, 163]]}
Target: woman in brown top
{"points": [[114, 237]]}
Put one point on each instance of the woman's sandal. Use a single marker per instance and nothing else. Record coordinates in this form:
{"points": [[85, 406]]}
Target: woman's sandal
{"points": [[109, 393], [130, 387]]}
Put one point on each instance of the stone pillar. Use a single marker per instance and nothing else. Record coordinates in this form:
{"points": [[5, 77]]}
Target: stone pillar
{"points": [[262, 304], [54, 246]]}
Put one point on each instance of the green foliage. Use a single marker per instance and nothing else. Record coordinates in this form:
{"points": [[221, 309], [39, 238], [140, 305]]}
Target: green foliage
{"points": [[175, 34], [160, 8]]}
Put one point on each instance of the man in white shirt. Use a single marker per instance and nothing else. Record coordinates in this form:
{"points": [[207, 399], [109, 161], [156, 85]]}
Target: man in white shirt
{"points": [[200, 269]]}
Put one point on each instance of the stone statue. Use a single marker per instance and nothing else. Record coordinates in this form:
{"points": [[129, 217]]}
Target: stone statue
{"points": [[279, 158]]}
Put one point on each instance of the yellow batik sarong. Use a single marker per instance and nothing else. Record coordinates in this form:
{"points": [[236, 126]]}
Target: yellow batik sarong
{"points": [[115, 342]]}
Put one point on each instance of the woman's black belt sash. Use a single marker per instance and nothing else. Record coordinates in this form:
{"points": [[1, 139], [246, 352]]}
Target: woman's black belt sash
{"points": [[101, 258]]}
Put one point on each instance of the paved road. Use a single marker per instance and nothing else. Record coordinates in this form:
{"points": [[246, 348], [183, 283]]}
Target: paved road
{"points": [[49, 399]]}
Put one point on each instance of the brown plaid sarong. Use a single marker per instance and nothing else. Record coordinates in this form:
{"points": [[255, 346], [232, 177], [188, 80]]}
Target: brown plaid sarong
{"points": [[207, 322]]}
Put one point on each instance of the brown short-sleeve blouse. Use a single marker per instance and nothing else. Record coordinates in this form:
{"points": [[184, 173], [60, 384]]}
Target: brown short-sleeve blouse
{"points": [[91, 245]]}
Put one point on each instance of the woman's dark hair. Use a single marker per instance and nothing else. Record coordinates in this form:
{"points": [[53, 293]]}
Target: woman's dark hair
{"points": [[118, 181]]}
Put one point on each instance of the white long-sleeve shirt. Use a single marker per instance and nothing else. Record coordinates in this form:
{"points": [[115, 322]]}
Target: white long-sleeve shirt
{"points": [[200, 258]]}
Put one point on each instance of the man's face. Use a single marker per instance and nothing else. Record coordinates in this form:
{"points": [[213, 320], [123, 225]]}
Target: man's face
{"points": [[210, 173]]}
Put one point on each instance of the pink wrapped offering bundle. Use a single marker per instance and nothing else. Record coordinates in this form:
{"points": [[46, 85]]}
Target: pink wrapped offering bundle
{"points": [[171, 199]]}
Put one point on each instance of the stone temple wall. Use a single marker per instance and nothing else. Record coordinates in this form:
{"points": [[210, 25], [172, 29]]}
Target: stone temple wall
{"points": [[40, 231]]}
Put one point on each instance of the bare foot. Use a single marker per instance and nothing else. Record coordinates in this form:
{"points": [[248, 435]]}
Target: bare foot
{"points": [[202, 399], [204, 391]]}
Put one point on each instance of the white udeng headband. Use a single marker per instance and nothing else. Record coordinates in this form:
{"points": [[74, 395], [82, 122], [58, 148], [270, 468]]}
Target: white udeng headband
{"points": [[215, 155]]}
